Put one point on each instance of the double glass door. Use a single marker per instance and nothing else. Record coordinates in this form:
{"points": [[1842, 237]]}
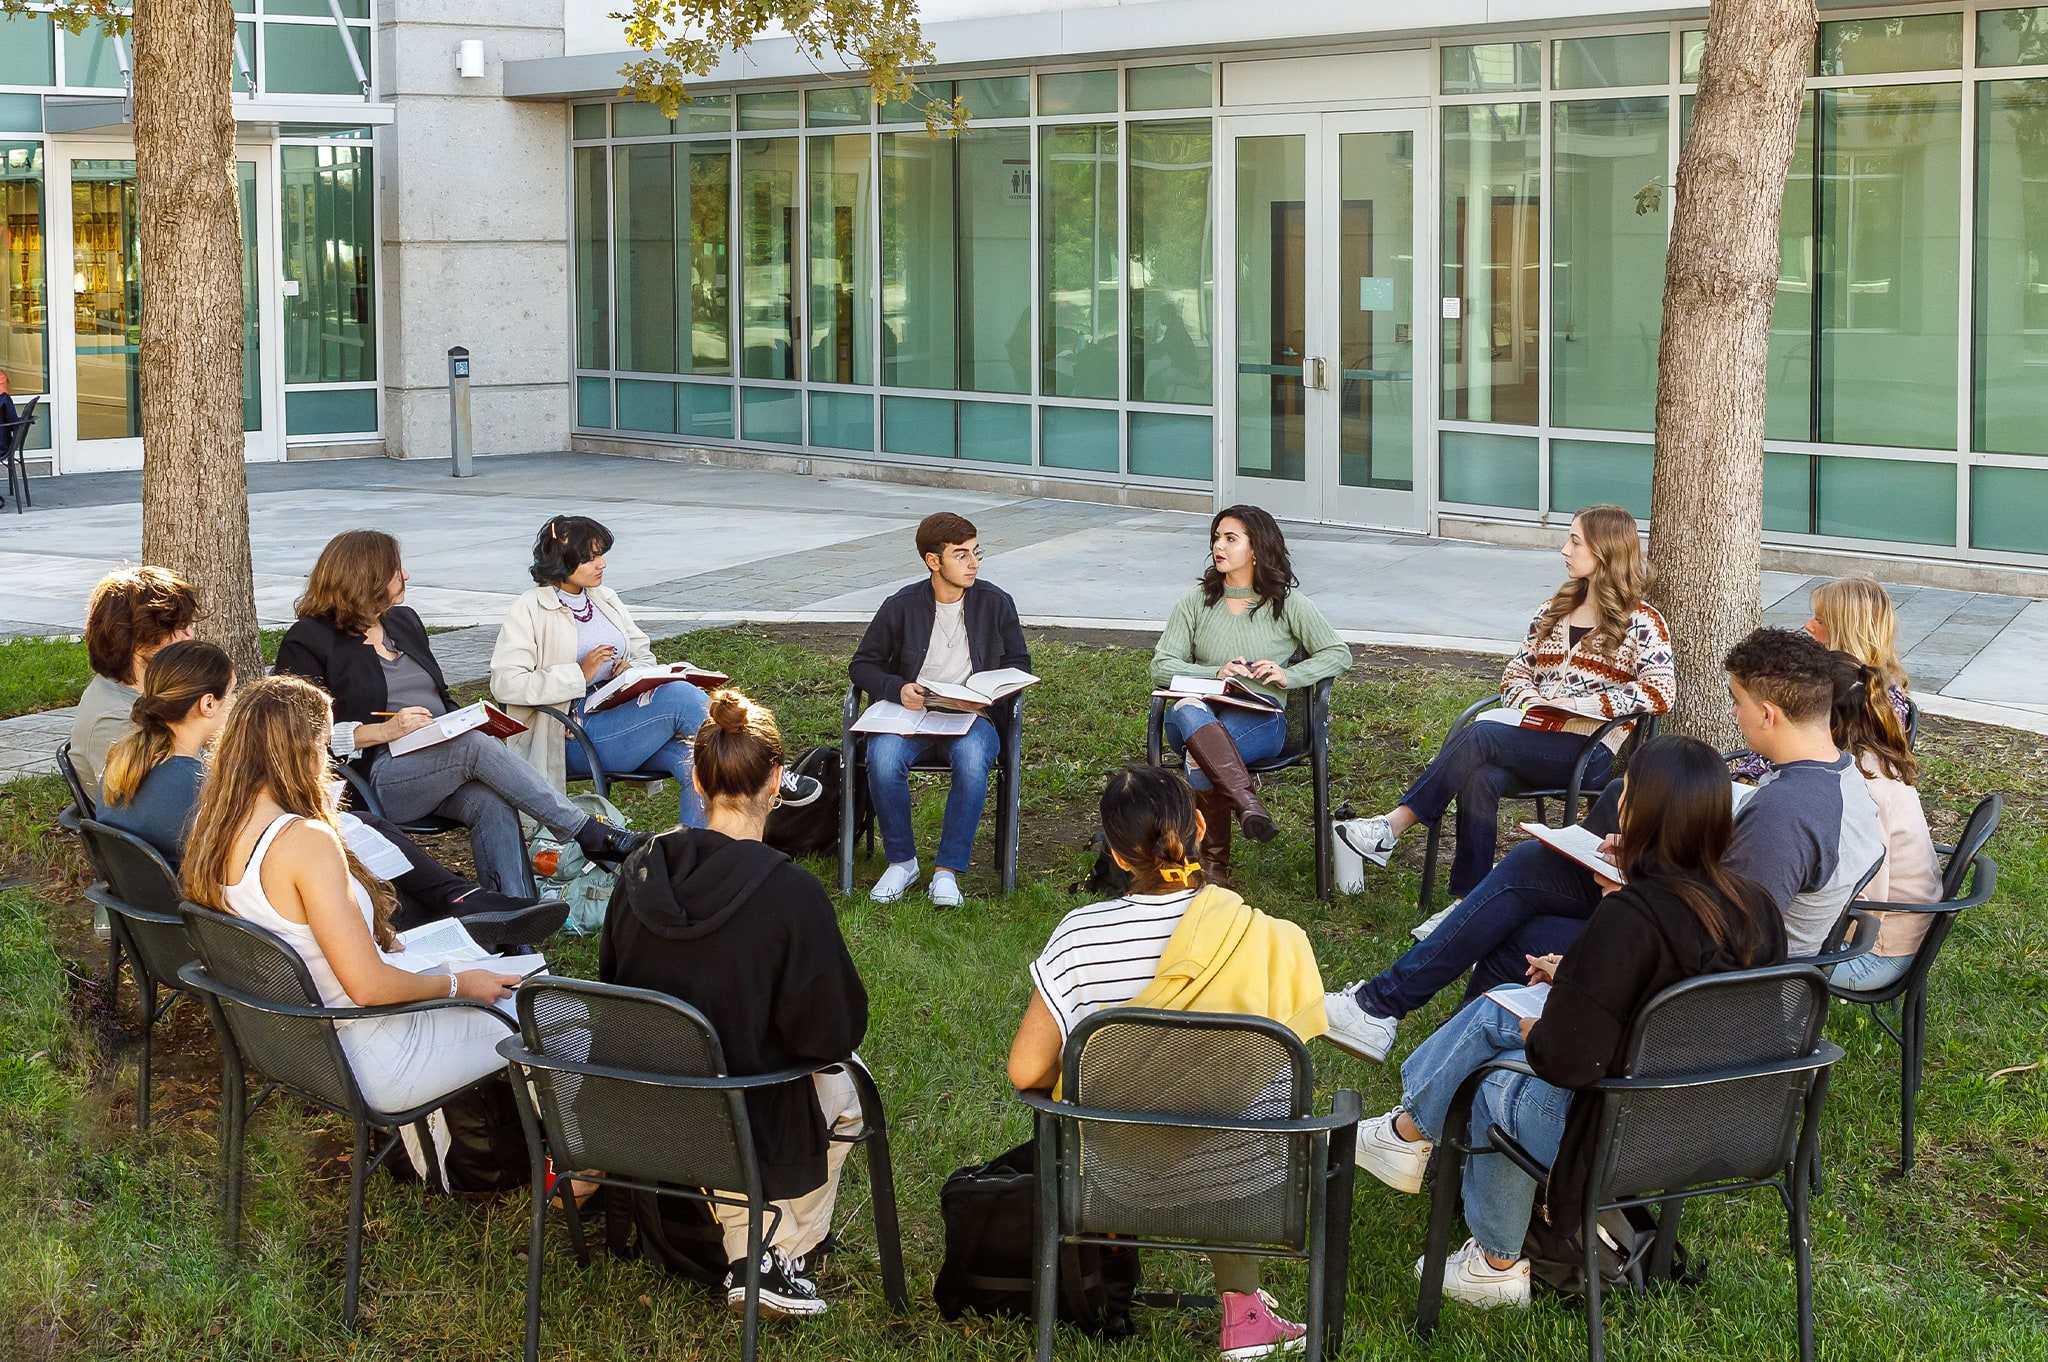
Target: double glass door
{"points": [[96, 264], [1322, 218]]}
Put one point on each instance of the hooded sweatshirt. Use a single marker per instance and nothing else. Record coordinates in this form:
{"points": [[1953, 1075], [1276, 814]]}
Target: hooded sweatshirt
{"points": [[748, 938], [1641, 940]]}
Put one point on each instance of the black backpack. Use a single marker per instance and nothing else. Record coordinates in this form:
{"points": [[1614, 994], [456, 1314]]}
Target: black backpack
{"points": [[1626, 1238], [674, 1233], [813, 829], [486, 1145], [989, 1213]]}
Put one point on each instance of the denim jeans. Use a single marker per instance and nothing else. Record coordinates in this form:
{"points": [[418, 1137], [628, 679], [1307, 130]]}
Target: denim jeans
{"points": [[1499, 1197], [1535, 902], [1257, 736], [1482, 762], [972, 755], [655, 736], [485, 786], [1869, 973]]}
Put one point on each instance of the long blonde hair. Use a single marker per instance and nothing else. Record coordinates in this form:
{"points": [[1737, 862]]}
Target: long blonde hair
{"points": [[175, 680], [275, 742], [1860, 621], [1620, 582], [349, 586]]}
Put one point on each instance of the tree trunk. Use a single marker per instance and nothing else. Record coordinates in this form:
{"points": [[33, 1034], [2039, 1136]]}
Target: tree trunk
{"points": [[1720, 279], [195, 503]]}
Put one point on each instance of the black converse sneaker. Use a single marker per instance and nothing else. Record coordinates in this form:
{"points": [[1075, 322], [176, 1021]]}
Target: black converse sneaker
{"points": [[798, 791], [784, 1291]]}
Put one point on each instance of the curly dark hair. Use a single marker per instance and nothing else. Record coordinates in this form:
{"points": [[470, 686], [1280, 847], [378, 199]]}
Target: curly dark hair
{"points": [[1787, 668], [131, 609], [564, 544], [1272, 570]]}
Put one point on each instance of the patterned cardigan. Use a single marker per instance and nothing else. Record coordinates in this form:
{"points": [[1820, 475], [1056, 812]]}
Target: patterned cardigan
{"points": [[1582, 680]]}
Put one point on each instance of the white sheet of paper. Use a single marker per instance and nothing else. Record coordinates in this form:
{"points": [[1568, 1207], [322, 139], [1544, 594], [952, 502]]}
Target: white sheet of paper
{"points": [[1739, 795], [378, 853], [1579, 844], [1524, 1000], [1511, 717], [443, 941], [886, 716]]}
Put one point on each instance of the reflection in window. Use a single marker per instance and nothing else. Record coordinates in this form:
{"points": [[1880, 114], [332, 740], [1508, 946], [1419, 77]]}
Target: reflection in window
{"points": [[768, 239], [591, 210], [1607, 261], [1172, 245], [1078, 260], [956, 260], [1492, 262], [329, 249], [842, 258], [24, 315], [673, 205], [2011, 371]]}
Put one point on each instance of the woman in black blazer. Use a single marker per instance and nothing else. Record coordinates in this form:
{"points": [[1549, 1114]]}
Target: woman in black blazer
{"points": [[370, 653]]}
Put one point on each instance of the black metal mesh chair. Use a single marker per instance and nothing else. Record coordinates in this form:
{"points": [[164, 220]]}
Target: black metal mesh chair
{"points": [[1193, 1132], [13, 452], [1968, 881], [1719, 1090], [856, 816], [362, 796], [601, 780], [139, 891], [1568, 795], [633, 1082], [1308, 743], [83, 805], [267, 1017]]}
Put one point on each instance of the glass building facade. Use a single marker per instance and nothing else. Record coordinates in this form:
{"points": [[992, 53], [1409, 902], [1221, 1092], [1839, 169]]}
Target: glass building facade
{"points": [[1044, 292], [71, 284]]}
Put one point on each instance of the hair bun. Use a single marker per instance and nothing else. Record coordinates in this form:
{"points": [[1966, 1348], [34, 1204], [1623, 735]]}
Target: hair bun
{"points": [[730, 710]]}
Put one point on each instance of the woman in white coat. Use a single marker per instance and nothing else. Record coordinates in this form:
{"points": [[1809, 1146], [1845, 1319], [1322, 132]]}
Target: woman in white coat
{"points": [[570, 635]]}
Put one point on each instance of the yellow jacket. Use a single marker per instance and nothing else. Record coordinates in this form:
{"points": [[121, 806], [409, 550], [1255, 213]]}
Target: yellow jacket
{"points": [[1226, 956]]}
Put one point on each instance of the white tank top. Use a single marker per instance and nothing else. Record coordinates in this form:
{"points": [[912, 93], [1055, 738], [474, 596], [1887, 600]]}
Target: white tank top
{"points": [[245, 898]]}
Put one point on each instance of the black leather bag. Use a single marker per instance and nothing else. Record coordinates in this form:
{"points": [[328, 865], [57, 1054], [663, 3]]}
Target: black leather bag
{"points": [[1626, 1238], [813, 829], [675, 1234], [485, 1146], [989, 1212]]}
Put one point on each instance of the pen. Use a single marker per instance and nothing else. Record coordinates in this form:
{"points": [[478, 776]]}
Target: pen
{"points": [[543, 969]]}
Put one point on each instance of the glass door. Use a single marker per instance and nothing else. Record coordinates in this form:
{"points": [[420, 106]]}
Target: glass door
{"points": [[1325, 229], [96, 248]]}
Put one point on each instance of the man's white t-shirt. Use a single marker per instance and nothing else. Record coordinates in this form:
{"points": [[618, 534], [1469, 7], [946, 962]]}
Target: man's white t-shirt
{"points": [[948, 660]]}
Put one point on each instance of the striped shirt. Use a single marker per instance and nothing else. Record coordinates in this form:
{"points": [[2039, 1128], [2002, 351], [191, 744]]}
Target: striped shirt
{"points": [[1103, 955]]}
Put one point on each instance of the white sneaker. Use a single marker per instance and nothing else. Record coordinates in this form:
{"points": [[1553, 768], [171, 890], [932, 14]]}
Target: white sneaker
{"points": [[1422, 930], [1383, 1153], [895, 880], [1355, 1029], [945, 890], [1371, 838], [1471, 1280]]}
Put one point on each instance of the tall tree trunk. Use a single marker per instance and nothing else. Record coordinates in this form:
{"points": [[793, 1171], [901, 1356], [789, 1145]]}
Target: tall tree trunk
{"points": [[1720, 279], [195, 502]]}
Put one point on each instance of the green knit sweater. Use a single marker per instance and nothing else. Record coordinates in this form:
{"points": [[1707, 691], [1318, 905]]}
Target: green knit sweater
{"points": [[1199, 638]]}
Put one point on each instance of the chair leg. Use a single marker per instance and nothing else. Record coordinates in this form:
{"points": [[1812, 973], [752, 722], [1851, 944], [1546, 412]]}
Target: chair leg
{"points": [[1325, 876], [1802, 1262], [1589, 1232], [1430, 850], [1046, 1270], [848, 776], [358, 1179], [234, 1117], [1914, 1034], [536, 1244], [147, 987], [1337, 1226], [574, 1215], [1450, 1176], [114, 975], [1665, 1251], [751, 1328], [882, 1187]]}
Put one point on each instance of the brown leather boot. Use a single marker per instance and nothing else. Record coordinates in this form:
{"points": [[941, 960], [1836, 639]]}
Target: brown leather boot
{"points": [[1216, 754], [1216, 816]]}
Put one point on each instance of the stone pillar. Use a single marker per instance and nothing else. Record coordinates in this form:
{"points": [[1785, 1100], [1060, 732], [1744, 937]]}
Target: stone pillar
{"points": [[474, 200]]}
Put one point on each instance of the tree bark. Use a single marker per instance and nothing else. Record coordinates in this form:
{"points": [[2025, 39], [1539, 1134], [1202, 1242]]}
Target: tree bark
{"points": [[195, 503], [1720, 280]]}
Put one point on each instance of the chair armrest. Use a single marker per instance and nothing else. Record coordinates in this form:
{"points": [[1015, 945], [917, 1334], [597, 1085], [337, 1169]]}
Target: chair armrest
{"points": [[1319, 715], [1472, 711], [1861, 936], [1825, 1054], [1595, 741], [1155, 731], [360, 793], [1335, 1119], [68, 819], [574, 731], [1459, 1117], [514, 1050], [194, 976]]}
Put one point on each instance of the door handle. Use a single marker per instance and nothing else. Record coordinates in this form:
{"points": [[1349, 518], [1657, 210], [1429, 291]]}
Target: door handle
{"points": [[1318, 376]]}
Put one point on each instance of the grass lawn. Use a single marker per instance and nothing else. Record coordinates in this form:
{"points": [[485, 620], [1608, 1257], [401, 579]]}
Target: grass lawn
{"points": [[113, 1245], [38, 674]]}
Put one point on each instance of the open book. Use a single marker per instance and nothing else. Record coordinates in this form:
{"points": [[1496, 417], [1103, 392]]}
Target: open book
{"points": [[445, 946], [886, 716], [1542, 718], [979, 690], [637, 681], [1524, 1000], [1217, 692], [456, 722], [1579, 845]]}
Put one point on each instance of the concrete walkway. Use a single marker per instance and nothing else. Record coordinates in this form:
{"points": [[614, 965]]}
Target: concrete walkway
{"points": [[699, 544]]}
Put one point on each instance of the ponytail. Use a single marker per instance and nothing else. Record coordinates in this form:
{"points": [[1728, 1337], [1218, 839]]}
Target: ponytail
{"points": [[177, 678], [1863, 722], [1148, 819]]}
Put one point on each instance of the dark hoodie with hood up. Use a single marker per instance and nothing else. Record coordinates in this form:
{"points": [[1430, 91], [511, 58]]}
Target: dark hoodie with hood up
{"points": [[1641, 940], [748, 938]]}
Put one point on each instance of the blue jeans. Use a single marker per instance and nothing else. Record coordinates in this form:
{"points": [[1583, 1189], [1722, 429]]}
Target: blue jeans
{"points": [[1257, 736], [972, 756], [1535, 902], [1482, 762], [1499, 1197], [656, 736], [1869, 973]]}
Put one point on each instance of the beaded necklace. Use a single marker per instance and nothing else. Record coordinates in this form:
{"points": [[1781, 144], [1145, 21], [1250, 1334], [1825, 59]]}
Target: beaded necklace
{"points": [[582, 616]]}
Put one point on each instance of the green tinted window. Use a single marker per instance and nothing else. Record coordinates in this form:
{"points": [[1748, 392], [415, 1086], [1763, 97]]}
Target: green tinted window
{"points": [[2011, 407], [837, 107], [773, 414], [1911, 42], [26, 50], [919, 425], [843, 420], [1788, 493], [768, 258], [331, 412], [1172, 445], [90, 59], [1077, 263], [2009, 509], [1483, 68], [923, 96], [1492, 259], [704, 409], [995, 432], [590, 206], [634, 119], [586, 122], [644, 194], [1170, 87], [705, 113], [997, 96], [2012, 37], [768, 109], [1887, 499], [330, 249], [353, 9], [24, 339], [842, 259], [21, 113], [1587, 472], [1692, 50], [1172, 284], [308, 59], [1077, 92], [1487, 470], [1078, 437], [1621, 59], [648, 406], [594, 403]]}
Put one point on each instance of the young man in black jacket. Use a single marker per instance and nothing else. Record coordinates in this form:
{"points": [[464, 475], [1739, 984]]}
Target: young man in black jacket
{"points": [[943, 629]]}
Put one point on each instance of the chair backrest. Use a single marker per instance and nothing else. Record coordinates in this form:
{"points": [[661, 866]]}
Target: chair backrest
{"points": [[1733, 1128], [145, 897], [1982, 824], [1912, 721], [80, 797], [1838, 935], [662, 1130], [1233, 1186], [257, 967], [14, 437]]}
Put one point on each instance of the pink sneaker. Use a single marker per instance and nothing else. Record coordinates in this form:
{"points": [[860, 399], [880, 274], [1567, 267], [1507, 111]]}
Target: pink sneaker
{"points": [[1251, 1329]]}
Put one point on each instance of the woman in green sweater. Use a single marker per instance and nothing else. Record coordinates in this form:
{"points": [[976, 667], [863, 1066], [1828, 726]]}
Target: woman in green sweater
{"points": [[1243, 623]]}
